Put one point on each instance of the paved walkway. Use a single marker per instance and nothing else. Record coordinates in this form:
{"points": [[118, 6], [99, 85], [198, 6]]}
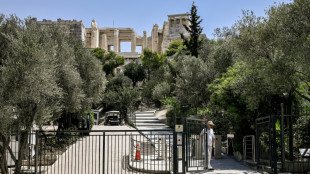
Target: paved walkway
{"points": [[228, 165], [86, 155], [225, 165], [88, 150]]}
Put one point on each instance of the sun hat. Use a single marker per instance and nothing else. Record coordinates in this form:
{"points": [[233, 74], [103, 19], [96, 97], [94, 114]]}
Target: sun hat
{"points": [[210, 123]]}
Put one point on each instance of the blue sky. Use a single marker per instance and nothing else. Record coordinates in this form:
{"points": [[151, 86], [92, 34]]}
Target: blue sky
{"points": [[137, 14]]}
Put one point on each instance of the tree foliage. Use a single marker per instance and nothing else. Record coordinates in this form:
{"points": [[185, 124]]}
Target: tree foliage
{"points": [[152, 61], [45, 74], [269, 60], [191, 81], [161, 91], [120, 96], [193, 43], [110, 60], [174, 47], [135, 72]]}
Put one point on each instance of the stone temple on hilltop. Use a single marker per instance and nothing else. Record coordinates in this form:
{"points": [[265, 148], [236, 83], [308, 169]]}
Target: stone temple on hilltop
{"points": [[109, 38]]}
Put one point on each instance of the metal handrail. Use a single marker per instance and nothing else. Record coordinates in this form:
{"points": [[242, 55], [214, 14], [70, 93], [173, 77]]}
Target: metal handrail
{"points": [[160, 130]]}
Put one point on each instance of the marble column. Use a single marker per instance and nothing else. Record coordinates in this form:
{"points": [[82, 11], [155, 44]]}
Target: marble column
{"points": [[94, 35], [104, 42], [93, 38], [174, 27], [116, 41], [119, 46], [133, 41], [181, 25], [144, 45], [170, 26], [155, 38]]}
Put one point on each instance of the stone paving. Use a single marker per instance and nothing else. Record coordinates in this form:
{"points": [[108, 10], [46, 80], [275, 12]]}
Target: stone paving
{"points": [[86, 155], [229, 165], [225, 165]]}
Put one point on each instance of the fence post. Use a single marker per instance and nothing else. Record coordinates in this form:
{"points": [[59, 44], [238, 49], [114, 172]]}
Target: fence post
{"points": [[175, 146], [253, 148], [186, 144], [244, 147], [282, 139], [256, 143], [103, 158], [274, 147], [183, 153], [36, 153], [205, 136], [175, 153]]}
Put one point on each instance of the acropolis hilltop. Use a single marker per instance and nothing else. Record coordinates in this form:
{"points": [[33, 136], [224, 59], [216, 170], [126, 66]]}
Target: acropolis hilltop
{"points": [[109, 38]]}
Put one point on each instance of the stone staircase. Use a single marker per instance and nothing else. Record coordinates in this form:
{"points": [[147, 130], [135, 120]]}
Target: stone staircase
{"points": [[146, 120]]}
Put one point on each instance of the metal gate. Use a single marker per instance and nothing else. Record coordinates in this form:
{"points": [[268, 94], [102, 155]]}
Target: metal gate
{"points": [[119, 151], [101, 152], [196, 144], [283, 143]]}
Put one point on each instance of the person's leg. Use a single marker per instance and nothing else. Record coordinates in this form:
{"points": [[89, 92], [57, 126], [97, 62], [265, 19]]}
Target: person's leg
{"points": [[209, 156], [204, 151]]}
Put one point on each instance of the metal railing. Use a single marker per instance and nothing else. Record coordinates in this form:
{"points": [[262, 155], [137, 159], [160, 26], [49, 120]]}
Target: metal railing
{"points": [[283, 143], [99, 152]]}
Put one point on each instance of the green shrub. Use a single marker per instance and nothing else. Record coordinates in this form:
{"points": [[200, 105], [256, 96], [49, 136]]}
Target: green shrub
{"points": [[179, 113], [169, 116], [161, 91], [91, 117]]}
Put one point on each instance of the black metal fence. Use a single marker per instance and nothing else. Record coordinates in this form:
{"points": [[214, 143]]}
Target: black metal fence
{"points": [[196, 145], [283, 143], [98, 152], [114, 151]]}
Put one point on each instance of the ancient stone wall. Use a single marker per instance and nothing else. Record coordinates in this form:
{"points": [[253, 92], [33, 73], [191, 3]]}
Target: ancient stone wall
{"points": [[105, 38]]}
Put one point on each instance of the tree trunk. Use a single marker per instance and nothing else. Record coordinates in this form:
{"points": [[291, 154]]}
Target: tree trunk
{"points": [[21, 150], [148, 74], [3, 164], [289, 112]]}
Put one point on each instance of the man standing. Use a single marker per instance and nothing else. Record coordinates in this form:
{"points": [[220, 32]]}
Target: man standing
{"points": [[210, 138]]}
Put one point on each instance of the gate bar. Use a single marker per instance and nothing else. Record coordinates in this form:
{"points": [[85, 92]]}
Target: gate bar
{"points": [[282, 138]]}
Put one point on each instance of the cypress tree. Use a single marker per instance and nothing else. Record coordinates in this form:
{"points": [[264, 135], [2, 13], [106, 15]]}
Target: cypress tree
{"points": [[194, 29]]}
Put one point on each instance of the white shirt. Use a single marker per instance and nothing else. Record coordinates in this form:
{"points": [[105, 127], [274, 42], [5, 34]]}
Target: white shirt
{"points": [[210, 135]]}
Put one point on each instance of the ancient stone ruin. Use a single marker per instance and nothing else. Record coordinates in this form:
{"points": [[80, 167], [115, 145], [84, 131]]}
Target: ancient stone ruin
{"points": [[109, 38]]}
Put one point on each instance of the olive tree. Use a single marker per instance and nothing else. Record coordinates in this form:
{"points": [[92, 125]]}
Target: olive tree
{"points": [[28, 84], [191, 81], [135, 72], [45, 74]]}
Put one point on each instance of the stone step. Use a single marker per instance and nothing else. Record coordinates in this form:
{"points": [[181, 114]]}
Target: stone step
{"points": [[150, 124], [146, 112], [154, 128], [166, 132], [144, 115], [146, 118], [148, 121]]}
